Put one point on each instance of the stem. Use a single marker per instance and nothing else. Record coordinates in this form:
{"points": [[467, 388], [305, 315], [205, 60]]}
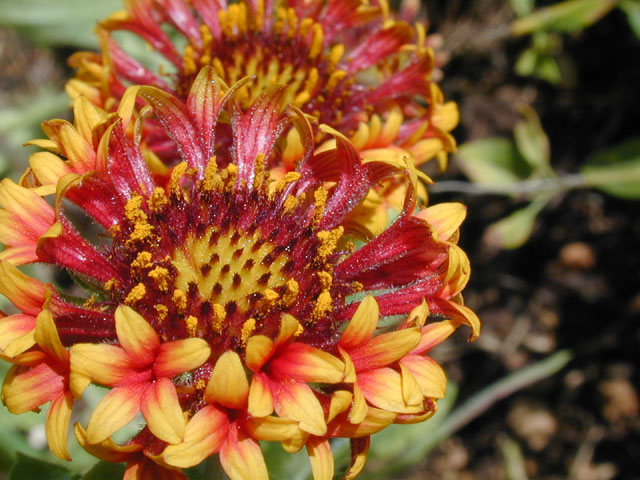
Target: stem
{"points": [[557, 184]]}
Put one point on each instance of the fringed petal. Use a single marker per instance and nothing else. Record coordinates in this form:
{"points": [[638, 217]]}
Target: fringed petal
{"points": [[161, 409], [241, 457], [57, 425], [116, 409]]}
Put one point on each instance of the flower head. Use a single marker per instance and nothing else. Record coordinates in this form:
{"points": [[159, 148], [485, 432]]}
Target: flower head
{"points": [[349, 64], [228, 304]]}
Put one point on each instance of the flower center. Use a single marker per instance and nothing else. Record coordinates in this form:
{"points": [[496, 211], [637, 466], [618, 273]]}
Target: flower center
{"points": [[230, 267]]}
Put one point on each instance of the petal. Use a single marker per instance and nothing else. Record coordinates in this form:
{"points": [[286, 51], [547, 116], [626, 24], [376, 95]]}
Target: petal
{"points": [[433, 334], [57, 425], [383, 388], [136, 336], [379, 45], [116, 409], [258, 351], [444, 218], [107, 450], [179, 356], [106, 365], [340, 402], [288, 328], [260, 398], [321, 458], [296, 401], [457, 312], [301, 362], [24, 292], [270, 428], [29, 215], [17, 333], [143, 468], [161, 409], [46, 335], [47, 167], [27, 388], [362, 325], [382, 350], [360, 408], [203, 436], [411, 391], [359, 452], [429, 375], [241, 457], [228, 384], [376, 420]]}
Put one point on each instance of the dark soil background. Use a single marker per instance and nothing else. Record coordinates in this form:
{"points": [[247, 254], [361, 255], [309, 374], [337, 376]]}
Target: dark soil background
{"points": [[574, 285]]}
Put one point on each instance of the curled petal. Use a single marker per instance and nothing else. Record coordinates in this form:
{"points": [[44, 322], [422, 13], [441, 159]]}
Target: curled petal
{"points": [[362, 325], [297, 401], [383, 388], [46, 335], [180, 356], [17, 334], [116, 409], [320, 458], [385, 349], [203, 436], [444, 218], [106, 450], [434, 334], [24, 292], [161, 409], [359, 452], [136, 336], [57, 425], [241, 457], [27, 388], [428, 374]]}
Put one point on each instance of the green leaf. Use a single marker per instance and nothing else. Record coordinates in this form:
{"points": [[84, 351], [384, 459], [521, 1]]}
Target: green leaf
{"points": [[527, 62], [514, 230], [532, 142], [105, 471], [492, 161], [566, 16], [632, 9], [29, 468], [615, 171], [522, 7]]}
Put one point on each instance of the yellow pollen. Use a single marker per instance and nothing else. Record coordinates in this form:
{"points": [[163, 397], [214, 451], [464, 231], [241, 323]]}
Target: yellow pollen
{"points": [[158, 200], [357, 286], [290, 204], [143, 260], [162, 310], [114, 230], [161, 276], [336, 54], [316, 41], [133, 211], [276, 187], [293, 22], [141, 231], [177, 173], [224, 23], [323, 306], [136, 294], [186, 414], [211, 180], [259, 175], [320, 196], [189, 65], [192, 325], [232, 173], [335, 78], [248, 328], [207, 37], [328, 242], [200, 384], [110, 284], [219, 314], [179, 299], [299, 331], [281, 14], [270, 296], [305, 25], [325, 280], [291, 292]]}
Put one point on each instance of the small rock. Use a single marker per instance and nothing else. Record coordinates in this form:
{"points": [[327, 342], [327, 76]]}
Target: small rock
{"points": [[577, 256], [533, 423]]}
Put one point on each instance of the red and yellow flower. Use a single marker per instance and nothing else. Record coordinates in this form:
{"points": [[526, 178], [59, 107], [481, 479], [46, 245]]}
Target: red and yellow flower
{"points": [[355, 66], [228, 304]]}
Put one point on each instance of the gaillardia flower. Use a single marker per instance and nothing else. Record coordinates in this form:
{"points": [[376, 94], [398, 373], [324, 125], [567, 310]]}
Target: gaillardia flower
{"points": [[354, 66], [225, 304]]}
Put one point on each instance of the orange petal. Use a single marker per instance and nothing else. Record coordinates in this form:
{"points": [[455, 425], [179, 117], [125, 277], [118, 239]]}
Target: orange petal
{"points": [[116, 409], [161, 409], [228, 384], [179, 356], [27, 388], [57, 425], [411, 391], [27, 215], [107, 365], [260, 397], [80, 153], [258, 351], [17, 334], [301, 362], [48, 168], [46, 335], [340, 402], [359, 452], [444, 218], [136, 336], [321, 458], [434, 334], [360, 408], [428, 374], [376, 420], [107, 450], [270, 428], [383, 388], [385, 349], [203, 436], [24, 292], [362, 325], [241, 458], [458, 312], [297, 401], [288, 328], [143, 468]]}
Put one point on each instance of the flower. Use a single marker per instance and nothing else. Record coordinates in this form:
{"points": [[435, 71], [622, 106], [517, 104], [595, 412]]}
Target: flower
{"points": [[355, 66], [225, 303]]}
